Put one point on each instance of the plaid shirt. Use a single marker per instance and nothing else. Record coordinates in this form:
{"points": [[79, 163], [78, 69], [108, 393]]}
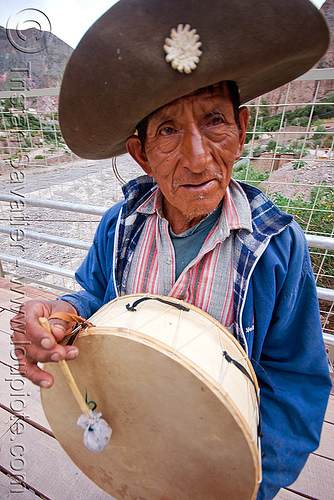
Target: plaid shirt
{"points": [[267, 220], [207, 280]]}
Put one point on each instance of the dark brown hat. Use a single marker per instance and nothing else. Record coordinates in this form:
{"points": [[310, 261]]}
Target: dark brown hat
{"points": [[143, 54]]}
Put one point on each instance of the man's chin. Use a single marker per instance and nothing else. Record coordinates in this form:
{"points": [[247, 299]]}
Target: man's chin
{"points": [[202, 204], [200, 212]]}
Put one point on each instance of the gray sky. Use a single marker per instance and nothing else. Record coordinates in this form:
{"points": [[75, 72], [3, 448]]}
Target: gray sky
{"points": [[69, 19]]}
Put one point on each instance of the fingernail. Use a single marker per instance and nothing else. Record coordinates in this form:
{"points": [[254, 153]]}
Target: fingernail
{"points": [[45, 384], [56, 357], [59, 326], [47, 343], [72, 354]]}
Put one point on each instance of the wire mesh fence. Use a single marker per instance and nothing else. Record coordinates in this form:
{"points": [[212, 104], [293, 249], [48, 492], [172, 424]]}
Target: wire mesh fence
{"points": [[289, 154]]}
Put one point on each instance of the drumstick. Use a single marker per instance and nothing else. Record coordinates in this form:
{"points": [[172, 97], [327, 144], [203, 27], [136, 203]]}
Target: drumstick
{"points": [[68, 375], [97, 431]]}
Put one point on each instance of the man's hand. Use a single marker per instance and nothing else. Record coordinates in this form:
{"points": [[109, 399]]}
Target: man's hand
{"points": [[34, 344]]}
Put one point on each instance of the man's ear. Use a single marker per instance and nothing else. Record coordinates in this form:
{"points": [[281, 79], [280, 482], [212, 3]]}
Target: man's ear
{"points": [[243, 120], [134, 148]]}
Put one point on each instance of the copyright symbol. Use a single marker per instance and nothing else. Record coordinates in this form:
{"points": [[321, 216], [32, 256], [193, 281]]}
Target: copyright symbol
{"points": [[32, 41]]}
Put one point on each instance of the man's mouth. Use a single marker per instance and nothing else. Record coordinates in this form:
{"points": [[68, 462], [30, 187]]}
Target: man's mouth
{"points": [[199, 187]]}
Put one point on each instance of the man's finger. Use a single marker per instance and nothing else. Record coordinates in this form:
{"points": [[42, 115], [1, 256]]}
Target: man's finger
{"points": [[35, 374], [30, 369], [60, 328]]}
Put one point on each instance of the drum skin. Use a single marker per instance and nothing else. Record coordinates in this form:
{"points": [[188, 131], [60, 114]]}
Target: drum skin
{"points": [[177, 433]]}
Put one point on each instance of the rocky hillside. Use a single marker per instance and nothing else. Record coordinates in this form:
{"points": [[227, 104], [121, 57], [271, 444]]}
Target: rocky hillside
{"points": [[306, 91], [328, 60], [31, 60]]}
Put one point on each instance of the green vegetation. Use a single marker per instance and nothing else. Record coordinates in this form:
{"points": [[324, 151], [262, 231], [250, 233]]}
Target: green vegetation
{"points": [[271, 146], [297, 148], [15, 117], [264, 111], [298, 164], [320, 206], [271, 125], [314, 216], [313, 115], [241, 172]]}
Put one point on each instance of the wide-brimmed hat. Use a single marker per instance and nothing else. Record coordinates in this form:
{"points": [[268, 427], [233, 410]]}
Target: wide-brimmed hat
{"points": [[143, 54]]}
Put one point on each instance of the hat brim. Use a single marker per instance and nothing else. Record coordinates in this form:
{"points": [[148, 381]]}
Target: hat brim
{"points": [[118, 74]]}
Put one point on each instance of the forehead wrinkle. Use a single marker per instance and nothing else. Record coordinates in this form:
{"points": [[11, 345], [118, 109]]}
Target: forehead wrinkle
{"points": [[166, 113], [219, 98]]}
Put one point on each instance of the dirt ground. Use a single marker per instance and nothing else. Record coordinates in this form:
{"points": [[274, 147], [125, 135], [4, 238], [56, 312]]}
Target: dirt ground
{"points": [[293, 183]]}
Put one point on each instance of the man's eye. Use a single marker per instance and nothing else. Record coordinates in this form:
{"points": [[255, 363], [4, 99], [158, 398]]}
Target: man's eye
{"points": [[166, 131], [217, 120]]}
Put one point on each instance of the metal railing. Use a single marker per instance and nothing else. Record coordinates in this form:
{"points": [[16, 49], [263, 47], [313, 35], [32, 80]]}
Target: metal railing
{"points": [[312, 240]]}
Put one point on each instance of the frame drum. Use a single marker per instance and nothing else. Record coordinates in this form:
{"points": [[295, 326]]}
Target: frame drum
{"points": [[184, 415]]}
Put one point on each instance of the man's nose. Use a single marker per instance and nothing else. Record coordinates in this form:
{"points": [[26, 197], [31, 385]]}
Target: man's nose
{"points": [[196, 153]]}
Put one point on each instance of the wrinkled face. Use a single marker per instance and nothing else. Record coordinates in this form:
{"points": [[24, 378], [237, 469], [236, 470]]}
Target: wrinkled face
{"points": [[190, 149]]}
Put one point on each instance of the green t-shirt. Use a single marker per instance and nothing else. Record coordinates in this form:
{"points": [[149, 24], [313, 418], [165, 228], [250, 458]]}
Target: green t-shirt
{"points": [[188, 244]]}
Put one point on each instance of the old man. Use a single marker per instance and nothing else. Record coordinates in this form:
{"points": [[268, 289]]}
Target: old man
{"points": [[165, 81]]}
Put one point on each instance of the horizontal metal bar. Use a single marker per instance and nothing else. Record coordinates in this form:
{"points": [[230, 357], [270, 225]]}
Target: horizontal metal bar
{"points": [[325, 242], [5, 94], [312, 240], [328, 338], [313, 74], [325, 294], [67, 242], [18, 261], [59, 205], [286, 104], [36, 282], [318, 74], [281, 131]]}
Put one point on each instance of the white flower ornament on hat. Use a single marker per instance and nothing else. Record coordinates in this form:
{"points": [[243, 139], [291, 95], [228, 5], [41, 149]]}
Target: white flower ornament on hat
{"points": [[182, 48]]}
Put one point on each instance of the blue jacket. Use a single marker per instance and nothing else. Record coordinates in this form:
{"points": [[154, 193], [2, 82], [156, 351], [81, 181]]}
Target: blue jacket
{"points": [[276, 316]]}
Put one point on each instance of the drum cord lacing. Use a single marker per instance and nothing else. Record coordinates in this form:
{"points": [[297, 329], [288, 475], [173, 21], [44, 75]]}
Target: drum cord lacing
{"points": [[164, 301], [81, 323], [245, 372]]}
